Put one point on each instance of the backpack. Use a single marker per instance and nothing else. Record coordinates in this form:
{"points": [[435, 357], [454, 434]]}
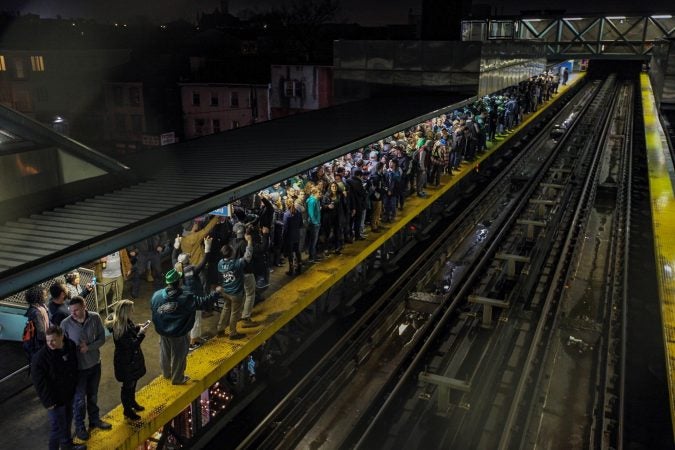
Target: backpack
{"points": [[29, 340]]}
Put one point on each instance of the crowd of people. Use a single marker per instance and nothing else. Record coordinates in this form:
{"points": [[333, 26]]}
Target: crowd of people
{"points": [[295, 223]]}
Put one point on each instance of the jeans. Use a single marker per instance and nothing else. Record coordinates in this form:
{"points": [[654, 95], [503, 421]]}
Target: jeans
{"points": [[313, 232], [173, 353], [86, 396], [60, 420]]}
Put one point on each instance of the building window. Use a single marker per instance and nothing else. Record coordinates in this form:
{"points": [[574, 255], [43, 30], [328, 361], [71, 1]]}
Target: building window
{"points": [[18, 67], [137, 123], [42, 94], [235, 124], [214, 99], [134, 96], [199, 126], [120, 122], [293, 88], [118, 95], [216, 125], [37, 63], [196, 100], [3, 67], [234, 99]]}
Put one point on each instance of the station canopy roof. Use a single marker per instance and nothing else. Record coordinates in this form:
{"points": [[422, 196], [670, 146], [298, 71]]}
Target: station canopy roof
{"points": [[63, 204]]}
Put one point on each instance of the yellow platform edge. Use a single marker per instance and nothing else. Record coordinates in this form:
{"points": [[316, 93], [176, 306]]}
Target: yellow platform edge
{"points": [[659, 164], [217, 357]]}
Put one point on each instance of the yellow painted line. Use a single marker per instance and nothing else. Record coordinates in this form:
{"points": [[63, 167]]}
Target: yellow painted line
{"points": [[217, 357], [660, 168]]}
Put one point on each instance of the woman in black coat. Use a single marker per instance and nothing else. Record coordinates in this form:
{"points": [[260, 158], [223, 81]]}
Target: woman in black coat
{"points": [[292, 223], [128, 360]]}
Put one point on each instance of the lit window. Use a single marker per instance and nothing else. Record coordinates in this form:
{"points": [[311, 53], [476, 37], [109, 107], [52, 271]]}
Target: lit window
{"points": [[3, 67], [234, 100], [37, 63]]}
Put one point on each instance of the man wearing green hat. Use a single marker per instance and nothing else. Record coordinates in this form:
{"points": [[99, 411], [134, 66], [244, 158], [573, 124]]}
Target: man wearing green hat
{"points": [[173, 314]]}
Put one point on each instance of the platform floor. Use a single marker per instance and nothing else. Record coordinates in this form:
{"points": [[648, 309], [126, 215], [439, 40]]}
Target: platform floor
{"points": [[26, 427], [662, 195]]}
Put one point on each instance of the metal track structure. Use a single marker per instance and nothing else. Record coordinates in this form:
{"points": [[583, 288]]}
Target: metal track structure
{"points": [[286, 424]]}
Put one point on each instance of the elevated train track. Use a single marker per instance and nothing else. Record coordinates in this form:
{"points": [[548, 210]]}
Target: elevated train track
{"points": [[486, 253]]}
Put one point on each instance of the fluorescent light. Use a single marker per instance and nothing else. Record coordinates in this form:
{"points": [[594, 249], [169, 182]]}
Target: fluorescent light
{"points": [[531, 20], [616, 18], [573, 18], [663, 16]]}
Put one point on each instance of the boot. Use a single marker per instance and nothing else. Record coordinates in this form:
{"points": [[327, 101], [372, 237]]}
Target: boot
{"points": [[131, 415], [298, 267], [290, 268], [138, 407]]}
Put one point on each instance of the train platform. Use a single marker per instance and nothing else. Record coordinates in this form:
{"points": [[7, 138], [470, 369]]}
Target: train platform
{"points": [[27, 425], [662, 196]]}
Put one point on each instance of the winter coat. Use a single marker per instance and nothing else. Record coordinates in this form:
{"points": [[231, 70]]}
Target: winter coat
{"points": [[173, 310], [128, 360], [54, 374], [291, 229]]}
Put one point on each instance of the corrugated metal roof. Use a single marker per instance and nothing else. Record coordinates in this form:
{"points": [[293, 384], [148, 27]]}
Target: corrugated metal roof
{"points": [[194, 177]]}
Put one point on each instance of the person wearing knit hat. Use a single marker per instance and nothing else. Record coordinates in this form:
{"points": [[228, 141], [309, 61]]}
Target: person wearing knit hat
{"points": [[184, 264], [173, 315]]}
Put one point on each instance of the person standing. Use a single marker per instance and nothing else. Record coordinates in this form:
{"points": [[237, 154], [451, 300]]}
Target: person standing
{"points": [[74, 287], [192, 278], [173, 315], [129, 362], [232, 272], [38, 316], [57, 307], [54, 375], [291, 237], [112, 270], [565, 76], [85, 329], [314, 217]]}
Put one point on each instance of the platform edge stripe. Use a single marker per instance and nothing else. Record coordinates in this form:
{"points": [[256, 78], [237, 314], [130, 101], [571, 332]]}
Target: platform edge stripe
{"points": [[662, 205]]}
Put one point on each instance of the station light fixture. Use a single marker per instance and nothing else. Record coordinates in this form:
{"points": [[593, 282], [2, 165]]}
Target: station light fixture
{"points": [[662, 16]]}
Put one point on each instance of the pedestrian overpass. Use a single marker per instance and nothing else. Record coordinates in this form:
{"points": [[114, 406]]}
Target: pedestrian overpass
{"points": [[587, 37]]}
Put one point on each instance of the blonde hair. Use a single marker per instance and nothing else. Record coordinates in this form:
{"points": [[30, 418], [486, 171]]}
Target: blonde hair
{"points": [[121, 317]]}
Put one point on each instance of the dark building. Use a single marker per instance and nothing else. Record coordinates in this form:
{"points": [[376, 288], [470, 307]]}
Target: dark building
{"points": [[442, 19]]}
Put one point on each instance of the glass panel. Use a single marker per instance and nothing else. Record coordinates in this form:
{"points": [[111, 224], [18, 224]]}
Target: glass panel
{"points": [[28, 172]]}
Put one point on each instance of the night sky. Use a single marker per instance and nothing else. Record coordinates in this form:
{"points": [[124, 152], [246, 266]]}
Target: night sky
{"points": [[366, 12]]}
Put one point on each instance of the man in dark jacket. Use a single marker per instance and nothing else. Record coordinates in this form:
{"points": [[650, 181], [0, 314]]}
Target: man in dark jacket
{"points": [[232, 272], [54, 374], [173, 315], [358, 199]]}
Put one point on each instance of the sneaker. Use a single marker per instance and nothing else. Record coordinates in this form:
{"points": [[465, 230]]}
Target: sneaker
{"points": [[101, 425], [248, 323], [82, 434], [195, 346], [138, 407], [183, 381], [236, 336]]}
